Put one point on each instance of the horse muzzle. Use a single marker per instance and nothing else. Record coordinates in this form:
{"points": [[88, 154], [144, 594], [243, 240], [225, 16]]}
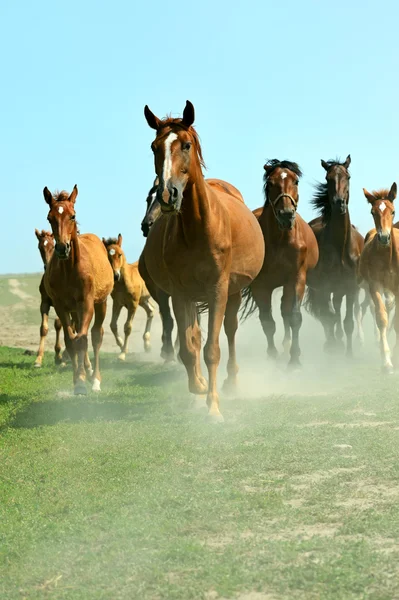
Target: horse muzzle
{"points": [[62, 250], [117, 275], [340, 206], [384, 238], [286, 219], [170, 198], [145, 227]]}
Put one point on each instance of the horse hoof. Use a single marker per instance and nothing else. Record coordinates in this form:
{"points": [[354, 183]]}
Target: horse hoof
{"points": [[63, 365], [147, 347], [199, 402], [122, 356], [168, 356], [387, 369], [37, 365], [229, 388], [80, 388], [214, 418], [58, 361], [96, 387], [295, 367]]}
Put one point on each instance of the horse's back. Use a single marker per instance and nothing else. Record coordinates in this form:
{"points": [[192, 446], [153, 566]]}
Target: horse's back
{"points": [[225, 187], [96, 265]]}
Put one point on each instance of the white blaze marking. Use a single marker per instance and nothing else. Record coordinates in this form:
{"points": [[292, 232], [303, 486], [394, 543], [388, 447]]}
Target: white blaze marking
{"points": [[111, 252], [45, 243], [382, 206], [283, 175], [60, 209], [153, 198], [167, 165]]}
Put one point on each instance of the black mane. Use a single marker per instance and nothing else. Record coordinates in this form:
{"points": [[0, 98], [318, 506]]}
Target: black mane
{"points": [[110, 241], [320, 199], [273, 164]]}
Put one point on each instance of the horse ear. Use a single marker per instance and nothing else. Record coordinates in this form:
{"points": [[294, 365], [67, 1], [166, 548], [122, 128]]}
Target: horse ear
{"points": [[188, 114], [119, 239], [324, 164], [152, 120], [104, 242], [267, 168], [74, 194], [347, 162], [370, 197], [37, 233], [48, 196], [392, 192]]}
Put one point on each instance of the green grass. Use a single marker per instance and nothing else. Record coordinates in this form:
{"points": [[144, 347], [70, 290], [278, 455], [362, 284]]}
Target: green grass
{"points": [[131, 494]]}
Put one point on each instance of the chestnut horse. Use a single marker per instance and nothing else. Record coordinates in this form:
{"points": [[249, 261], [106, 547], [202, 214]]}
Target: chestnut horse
{"points": [[46, 249], [129, 292], [206, 246], [379, 266], [291, 251], [78, 279], [340, 246]]}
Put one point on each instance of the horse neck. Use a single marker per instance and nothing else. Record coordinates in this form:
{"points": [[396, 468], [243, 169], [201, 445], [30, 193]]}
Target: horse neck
{"points": [[196, 213], [339, 228]]}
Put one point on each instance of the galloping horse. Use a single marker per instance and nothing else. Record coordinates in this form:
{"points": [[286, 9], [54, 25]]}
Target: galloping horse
{"points": [[129, 292], [379, 266], [46, 249], [78, 279], [206, 246], [291, 251], [340, 246]]}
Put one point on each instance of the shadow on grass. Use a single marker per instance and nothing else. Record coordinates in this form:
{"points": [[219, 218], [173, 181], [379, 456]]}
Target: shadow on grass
{"points": [[71, 410]]}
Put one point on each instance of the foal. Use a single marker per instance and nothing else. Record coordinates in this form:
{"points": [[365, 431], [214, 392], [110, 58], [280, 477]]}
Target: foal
{"points": [[129, 292], [78, 279], [46, 249], [379, 266]]}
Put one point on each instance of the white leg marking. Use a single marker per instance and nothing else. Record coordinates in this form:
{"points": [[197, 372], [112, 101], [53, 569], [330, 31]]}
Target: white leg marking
{"points": [[96, 385]]}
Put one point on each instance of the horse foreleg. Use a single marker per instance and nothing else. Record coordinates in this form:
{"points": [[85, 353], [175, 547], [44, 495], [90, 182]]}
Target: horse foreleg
{"points": [[97, 333], [359, 317], [58, 359], [116, 311], [396, 325], [69, 336], [327, 318], [291, 312], [337, 303], [382, 324], [349, 323], [131, 311], [84, 317], [187, 327], [217, 302], [263, 299], [146, 304], [230, 328], [44, 310], [167, 351]]}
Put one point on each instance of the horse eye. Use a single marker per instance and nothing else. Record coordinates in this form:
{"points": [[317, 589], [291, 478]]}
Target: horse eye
{"points": [[187, 146], [393, 213], [296, 182], [73, 217]]}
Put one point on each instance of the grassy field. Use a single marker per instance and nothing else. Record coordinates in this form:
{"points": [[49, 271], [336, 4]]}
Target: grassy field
{"points": [[131, 494]]}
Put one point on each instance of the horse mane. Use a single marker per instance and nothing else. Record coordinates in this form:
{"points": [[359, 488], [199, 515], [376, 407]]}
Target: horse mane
{"points": [[274, 163], [111, 241], [382, 194], [320, 199], [61, 196], [171, 122]]}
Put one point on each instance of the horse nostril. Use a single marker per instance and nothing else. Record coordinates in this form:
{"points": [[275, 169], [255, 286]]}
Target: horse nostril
{"points": [[175, 193]]}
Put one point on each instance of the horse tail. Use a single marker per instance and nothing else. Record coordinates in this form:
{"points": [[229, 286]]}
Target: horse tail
{"points": [[310, 303], [248, 304]]}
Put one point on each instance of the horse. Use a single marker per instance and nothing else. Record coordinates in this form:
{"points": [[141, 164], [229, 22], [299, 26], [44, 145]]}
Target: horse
{"points": [[78, 279], [340, 246], [129, 292], [46, 249], [379, 266], [291, 251], [206, 246]]}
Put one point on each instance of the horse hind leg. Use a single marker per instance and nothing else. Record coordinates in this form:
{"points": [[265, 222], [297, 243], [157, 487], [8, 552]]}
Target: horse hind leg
{"points": [[339, 331], [167, 351], [147, 306], [131, 311], [263, 299], [58, 359], [230, 328]]}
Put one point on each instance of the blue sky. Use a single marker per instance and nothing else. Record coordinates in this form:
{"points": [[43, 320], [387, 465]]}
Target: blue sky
{"points": [[297, 80]]}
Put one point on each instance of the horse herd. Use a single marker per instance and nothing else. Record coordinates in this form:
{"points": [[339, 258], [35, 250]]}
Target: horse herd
{"points": [[206, 250]]}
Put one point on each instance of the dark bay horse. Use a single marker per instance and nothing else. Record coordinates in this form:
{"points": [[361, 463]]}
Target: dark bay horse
{"points": [[46, 249], [79, 280], [206, 246], [129, 292], [340, 246], [379, 266], [290, 252]]}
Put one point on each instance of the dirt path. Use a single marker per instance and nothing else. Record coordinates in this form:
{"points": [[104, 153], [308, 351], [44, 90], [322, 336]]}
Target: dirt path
{"points": [[15, 288]]}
